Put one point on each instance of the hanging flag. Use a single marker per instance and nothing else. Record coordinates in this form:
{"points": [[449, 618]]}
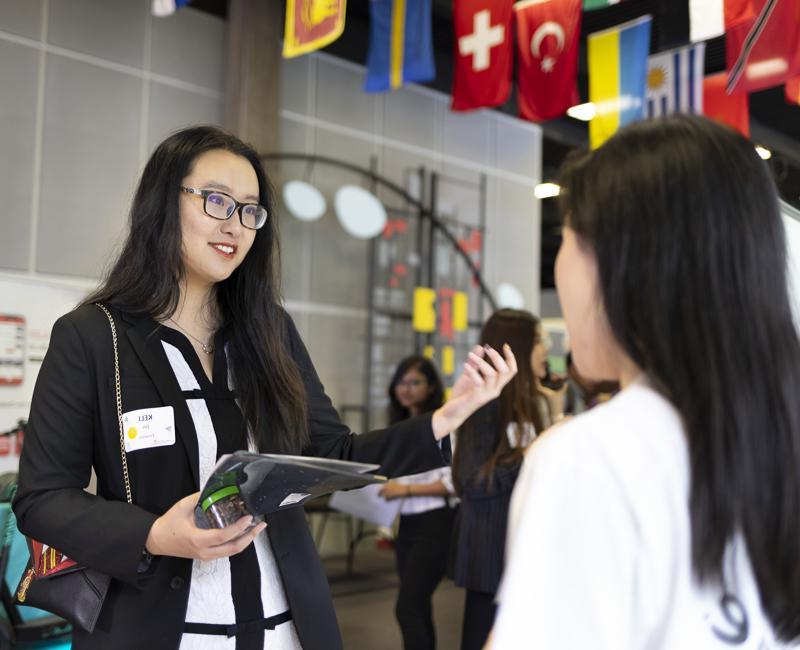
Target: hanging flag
{"points": [[675, 81], [617, 76], [710, 18], [547, 46], [588, 5], [732, 110], [400, 44], [793, 90], [483, 59], [311, 24], [762, 51], [163, 8]]}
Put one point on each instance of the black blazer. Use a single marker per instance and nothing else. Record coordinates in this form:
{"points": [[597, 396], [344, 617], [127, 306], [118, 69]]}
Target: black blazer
{"points": [[73, 427]]}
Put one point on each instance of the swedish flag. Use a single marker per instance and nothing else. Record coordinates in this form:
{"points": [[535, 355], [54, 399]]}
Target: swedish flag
{"points": [[400, 44]]}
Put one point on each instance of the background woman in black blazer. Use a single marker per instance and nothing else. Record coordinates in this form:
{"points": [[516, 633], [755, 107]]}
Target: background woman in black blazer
{"points": [[208, 353], [488, 456]]}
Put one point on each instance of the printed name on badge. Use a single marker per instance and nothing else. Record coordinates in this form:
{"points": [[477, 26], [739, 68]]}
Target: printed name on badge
{"points": [[148, 428]]}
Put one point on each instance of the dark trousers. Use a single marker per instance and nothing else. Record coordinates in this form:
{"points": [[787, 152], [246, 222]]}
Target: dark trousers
{"points": [[479, 611], [422, 548]]}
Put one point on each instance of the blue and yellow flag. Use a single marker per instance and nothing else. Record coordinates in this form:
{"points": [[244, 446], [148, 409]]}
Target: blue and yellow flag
{"points": [[400, 44], [618, 77]]}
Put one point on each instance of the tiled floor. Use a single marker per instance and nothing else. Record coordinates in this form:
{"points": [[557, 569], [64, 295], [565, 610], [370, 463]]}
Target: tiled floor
{"points": [[365, 603]]}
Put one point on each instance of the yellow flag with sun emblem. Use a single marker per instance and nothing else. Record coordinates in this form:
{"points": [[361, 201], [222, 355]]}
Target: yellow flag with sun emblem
{"points": [[312, 24], [675, 81]]}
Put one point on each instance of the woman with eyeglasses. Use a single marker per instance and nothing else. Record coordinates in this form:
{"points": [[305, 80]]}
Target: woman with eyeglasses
{"points": [[669, 516], [208, 353], [426, 517], [488, 454]]}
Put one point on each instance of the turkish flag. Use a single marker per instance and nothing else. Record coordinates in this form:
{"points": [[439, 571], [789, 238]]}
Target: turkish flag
{"points": [[483, 55], [732, 110], [762, 45], [547, 46]]}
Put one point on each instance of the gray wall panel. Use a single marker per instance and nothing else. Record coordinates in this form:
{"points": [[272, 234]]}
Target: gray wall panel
{"points": [[296, 88], [23, 17], [18, 70], [513, 240], [173, 108], [89, 164], [190, 46], [410, 116], [518, 148], [340, 98], [468, 136], [336, 344], [111, 29]]}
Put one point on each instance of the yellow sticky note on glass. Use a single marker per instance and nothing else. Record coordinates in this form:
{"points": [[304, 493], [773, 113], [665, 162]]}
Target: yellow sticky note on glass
{"points": [[460, 311], [448, 360], [424, 310], [428, 352]]}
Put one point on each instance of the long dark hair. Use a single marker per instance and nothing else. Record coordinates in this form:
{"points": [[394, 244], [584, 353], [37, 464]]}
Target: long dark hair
{"points": [[684, 220], [145, 280], [435, 399], [482, 440]]}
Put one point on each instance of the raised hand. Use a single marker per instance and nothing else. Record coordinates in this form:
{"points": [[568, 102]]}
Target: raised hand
{"points": [[175, 533], [485, 374]]}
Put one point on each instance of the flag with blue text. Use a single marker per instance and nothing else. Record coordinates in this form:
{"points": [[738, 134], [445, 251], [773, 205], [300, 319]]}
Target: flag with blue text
{"points": [[675, 81], [400, 44]]}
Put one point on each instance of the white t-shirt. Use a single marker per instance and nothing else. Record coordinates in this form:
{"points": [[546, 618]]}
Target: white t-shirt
{"points": [[598, 549]]}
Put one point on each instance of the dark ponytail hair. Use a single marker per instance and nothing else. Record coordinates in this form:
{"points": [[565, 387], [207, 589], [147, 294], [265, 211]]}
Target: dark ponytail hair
{"points": [[482, 440], [397, 412], [145, 280], [684, 220]]}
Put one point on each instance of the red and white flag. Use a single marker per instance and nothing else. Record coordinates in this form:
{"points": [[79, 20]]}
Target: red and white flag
{"points": [[763, 47], [732, 110], [548, 34], [710, 18], [483, 57]]}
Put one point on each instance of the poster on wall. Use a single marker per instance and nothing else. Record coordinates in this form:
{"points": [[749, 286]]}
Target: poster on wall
{"points": [[12, 350], [28, 309]]}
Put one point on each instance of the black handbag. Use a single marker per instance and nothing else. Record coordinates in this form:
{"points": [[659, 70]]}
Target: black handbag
{"points": [[55, 583]]}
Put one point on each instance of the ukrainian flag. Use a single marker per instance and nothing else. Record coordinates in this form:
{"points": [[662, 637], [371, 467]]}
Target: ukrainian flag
{"points": [[618, 77], [400, 44]]}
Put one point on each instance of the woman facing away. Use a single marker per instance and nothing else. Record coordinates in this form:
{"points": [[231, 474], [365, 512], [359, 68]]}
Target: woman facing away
{"points": [[488, 455], [206, 349], [426, 517], [668, 517]]}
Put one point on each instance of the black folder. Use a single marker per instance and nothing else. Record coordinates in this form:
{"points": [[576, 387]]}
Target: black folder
{"points": [[256, 484]]}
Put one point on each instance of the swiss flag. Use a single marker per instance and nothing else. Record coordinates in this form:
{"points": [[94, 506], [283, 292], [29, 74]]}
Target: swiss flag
{"points": [[547, 45], [482, 53], [762, 44], [732, 110]]}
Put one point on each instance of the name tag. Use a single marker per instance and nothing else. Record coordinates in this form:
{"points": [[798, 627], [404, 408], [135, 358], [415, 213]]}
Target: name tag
{"points": [[148, 428]]}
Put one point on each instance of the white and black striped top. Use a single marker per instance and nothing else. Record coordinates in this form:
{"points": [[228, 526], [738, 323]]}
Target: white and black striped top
{"points": [[246, 586]]}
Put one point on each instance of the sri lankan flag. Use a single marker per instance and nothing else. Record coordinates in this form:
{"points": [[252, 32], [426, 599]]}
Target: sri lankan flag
{"points": [[400, 44], [311, 24]]}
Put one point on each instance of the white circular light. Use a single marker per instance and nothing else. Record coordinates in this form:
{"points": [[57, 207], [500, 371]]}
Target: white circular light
{"points": [[508, 296], [359, 212], [304, 200]]}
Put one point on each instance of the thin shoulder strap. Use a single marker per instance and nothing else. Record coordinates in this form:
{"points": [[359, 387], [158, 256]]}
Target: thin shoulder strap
{"points": [[118, 388]]}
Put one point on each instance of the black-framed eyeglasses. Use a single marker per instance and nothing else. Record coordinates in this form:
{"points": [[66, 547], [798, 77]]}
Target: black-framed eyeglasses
{"points": [[219, 205]]}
